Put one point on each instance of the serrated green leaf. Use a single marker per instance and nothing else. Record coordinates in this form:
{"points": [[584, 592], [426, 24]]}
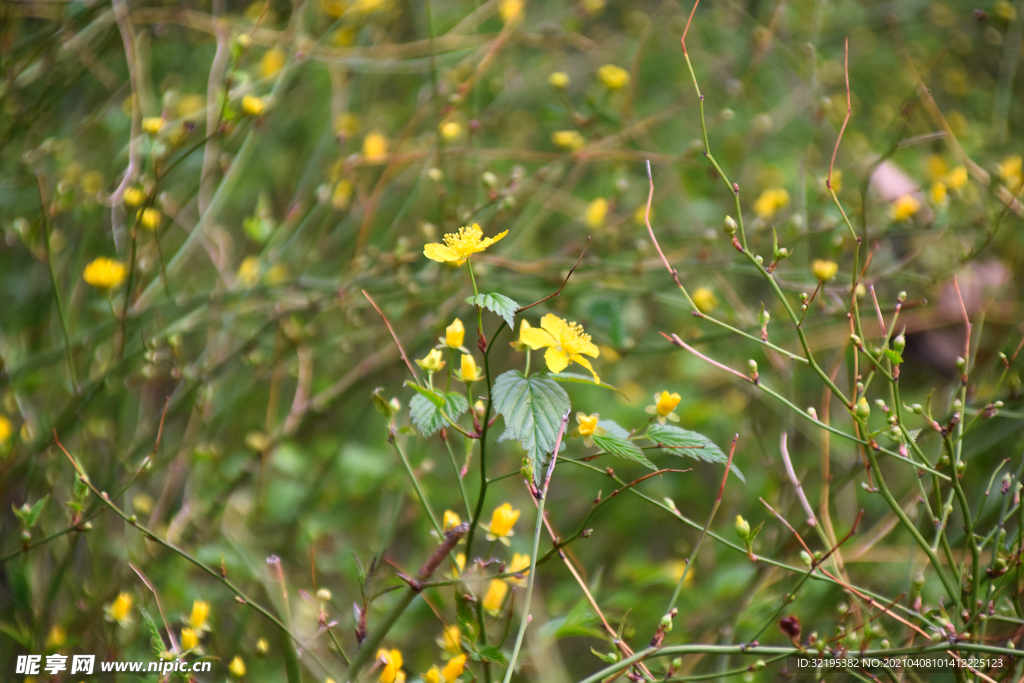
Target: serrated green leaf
{"points": [[156, 641], [434, 397], [623, 448], [532, 409], [490, 653], [894, 356], [429, 417], [576, 378], [689, 444], [496, 303]]}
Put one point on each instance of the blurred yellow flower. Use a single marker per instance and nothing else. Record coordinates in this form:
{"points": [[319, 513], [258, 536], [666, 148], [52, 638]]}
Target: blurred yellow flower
{"points": [[676, 570], [149, 218], [432, 362], [334, 8], [938, 194], [190, 104], [453, 669], [596, 213], [189, 639], [565, 342], [152, 124], [460, 560], [368, 7], [502, 520], [495, 596], [248, 272], [664, 405], [770, 201], [263, 647], [519, 344], [904, 208], [559, 80], [121, 609], [613, 77], [57, 635], [824, 270], [432, 676], [451, 640], [342, 195], [276, 274], [640, 215], [704, 299], [458, 247], [6, 429], [347, 124], [468, 369], [272, 62], [935, 167], [134, 196], [957, 178], [392, 665], [593, 7], [200, 613], [511, 11], [1010, 171], [375, 146], [450, 130], [253, 106], [237, 667], [520, 564], [105, 273], [454, 334], [568, 139]]}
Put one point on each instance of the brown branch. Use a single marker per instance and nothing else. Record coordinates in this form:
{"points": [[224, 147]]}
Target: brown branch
{"points": [[811, 520], [849, 109], [967, 326], [393, 335], [564, 282], [679, 342]]}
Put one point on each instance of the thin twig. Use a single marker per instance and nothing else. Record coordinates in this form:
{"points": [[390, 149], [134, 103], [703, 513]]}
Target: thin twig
{"points": [[564, 282], [846, 120], [393, 335], [811, 520]]}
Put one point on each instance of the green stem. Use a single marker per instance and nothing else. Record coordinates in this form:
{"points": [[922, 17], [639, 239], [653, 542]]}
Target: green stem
{"points": [[56, 291]]}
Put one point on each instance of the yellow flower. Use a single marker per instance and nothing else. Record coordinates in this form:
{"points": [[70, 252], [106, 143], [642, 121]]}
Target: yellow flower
{"points": [[559, 80], [938, 193], [664, 404], [904, 208], [450, 130], [511, 11], [149, 218], [612, 76], [451, 520], [704, 299], [593, 7], [342, 195], [451, 640], [565, 342], [677, 568], [771, 201], [56, 637], [1010, 171], [824, 270], [375, 146], [432, 361], [470, 372], [200, 613], [502, 520], [134, 196], [121, 609], [6, 429], [458, 247], [272, 62], [957, 178], [597, 211], [248, 272], [453, 669], [935, 167], [105, 273], [568, 139], [521, 565], [454, 334], [189, 639], [253, 106], [588, 428], [495, 596], [263, 647], [237, 667], [152, 124], [519, 344], [392, 660], [432, 676]]}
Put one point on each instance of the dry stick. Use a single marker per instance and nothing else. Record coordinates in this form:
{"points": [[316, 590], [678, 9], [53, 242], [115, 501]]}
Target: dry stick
{"points": [[846, 120], [393, 335], [878, 310], [811, 520], [532, 578], [159, 607], [245, 599], [564, 282]]}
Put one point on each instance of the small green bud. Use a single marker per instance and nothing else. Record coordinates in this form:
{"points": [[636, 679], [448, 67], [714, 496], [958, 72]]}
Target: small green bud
{"points": [[742, 527], [855, 340], [863, 410], [899, 343], [489, 179], [961, 466], [806, 558], [917, 408], [957, 405], [752, 366], [759, 259], [901, 297], [166, 656], [729, 225], [323, 595]]}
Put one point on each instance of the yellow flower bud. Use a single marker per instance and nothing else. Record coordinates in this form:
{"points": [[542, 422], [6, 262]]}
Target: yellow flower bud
{"points": [[120, 610], [253, 106], [559, 80], [454, 668], [134, 196], [189, 639], [200, 613], [588, 423], [824, 270], [152, 124], [613, 77], [375, 146], [454, 334], [432, 676], [431, 362], [957, 178], [495, 596], [56, 637], [742, 527], [237, 667], [392, 668], [451, 520], [502, 520], [705, 300], [597, 211], [105, 273], [262, 646], [149, 218]]}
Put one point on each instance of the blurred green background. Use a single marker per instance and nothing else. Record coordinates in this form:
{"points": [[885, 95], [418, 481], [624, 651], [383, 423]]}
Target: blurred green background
{"points": [[382, 125]]}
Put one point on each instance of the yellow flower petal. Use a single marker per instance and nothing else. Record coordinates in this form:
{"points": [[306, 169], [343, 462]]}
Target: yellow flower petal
{"points": [[556, 359], [536, 338], [439, 252]]}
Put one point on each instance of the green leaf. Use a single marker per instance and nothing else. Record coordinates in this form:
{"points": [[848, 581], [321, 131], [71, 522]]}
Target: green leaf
{"points": [[490, 653], [609, 658], [575, 378], [496, 303], [532, 408], [156, 642], [690, 444], [894, 356], [434, 397], [22, 637], [621, 447], [429, 417], [37, 509]]}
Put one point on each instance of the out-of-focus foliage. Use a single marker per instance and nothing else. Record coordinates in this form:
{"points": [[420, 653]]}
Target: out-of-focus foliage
{"points": [[249, 170]]}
